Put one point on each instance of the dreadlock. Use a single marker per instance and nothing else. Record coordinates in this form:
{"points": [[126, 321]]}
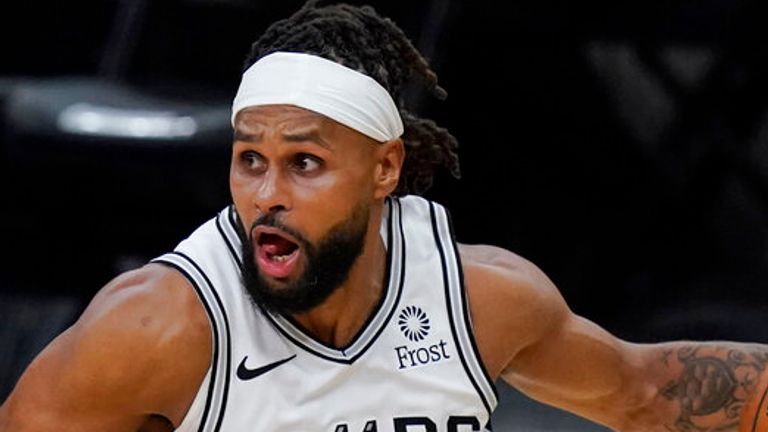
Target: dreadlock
{"points": [[360, 39]]}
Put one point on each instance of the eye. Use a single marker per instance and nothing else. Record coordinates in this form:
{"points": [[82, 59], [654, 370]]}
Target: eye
{"points": [[307, 164], [253, 161]]}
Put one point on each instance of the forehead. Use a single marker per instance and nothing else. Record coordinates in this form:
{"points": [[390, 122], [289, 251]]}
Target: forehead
{"points": [[292, 121], [279, 115]]}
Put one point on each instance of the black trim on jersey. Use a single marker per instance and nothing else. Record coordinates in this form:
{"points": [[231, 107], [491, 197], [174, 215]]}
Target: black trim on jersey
{"points": [[214, 327], [299, 343], [227, 240], [451, 318], [372, 316], [369, 319], [234, 219], [401, 283], [465, 305], [228, 357]]}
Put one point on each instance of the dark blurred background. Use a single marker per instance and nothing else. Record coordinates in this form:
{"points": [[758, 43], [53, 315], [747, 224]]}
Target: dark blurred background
{"points": [[621, 146]]}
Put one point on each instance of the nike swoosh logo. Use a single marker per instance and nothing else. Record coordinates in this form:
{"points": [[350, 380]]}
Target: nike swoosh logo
{"points": [[246, 374]]}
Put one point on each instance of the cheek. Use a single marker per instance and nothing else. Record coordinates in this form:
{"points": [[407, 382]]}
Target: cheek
{"points": [[318, 200], [235, 177], [330, 199], [237, 185], [242, 189], [334, 187]]}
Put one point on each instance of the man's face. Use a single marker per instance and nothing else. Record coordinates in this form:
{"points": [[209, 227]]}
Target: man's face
{"points": [[303, 186]]}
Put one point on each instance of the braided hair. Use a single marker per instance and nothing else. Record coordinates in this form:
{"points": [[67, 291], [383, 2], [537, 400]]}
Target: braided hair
{"points": [[360, 39]]}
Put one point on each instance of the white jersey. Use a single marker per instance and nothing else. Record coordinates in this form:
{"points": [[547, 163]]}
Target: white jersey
{"points": [[413, 367]]}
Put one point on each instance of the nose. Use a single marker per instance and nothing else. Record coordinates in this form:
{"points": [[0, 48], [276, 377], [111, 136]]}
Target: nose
{"points": [[272, 194]]}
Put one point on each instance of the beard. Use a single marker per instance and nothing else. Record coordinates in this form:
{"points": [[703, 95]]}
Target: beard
{"points": [[326, 264]]}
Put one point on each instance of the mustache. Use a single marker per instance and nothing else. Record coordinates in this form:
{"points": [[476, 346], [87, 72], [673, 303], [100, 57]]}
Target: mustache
{"points": [[272, 220]]}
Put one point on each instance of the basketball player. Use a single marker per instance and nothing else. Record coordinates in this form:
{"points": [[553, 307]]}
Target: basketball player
{"points": [[330, 297]]}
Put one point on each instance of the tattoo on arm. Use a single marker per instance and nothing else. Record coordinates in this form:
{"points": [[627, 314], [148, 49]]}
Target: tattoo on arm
{"points": [[665, 356], [712, 386]]}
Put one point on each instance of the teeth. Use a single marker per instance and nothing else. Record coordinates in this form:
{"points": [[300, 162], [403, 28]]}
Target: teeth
{"points": [[279, 258]]}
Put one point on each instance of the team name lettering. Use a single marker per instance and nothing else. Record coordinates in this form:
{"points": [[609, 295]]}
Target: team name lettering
{"points": [[421, 424], [408, 357], [370, 426]]}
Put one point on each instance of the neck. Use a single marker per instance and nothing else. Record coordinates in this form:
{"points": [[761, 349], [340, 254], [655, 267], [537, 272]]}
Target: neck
{"points": [[337, 320]]}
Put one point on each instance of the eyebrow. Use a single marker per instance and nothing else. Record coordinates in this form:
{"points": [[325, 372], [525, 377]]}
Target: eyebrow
{"points": [[310, 135], [242, 136]]}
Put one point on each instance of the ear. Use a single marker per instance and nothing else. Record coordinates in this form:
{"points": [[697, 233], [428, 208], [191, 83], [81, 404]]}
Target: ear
{"points": [[390, 158]]}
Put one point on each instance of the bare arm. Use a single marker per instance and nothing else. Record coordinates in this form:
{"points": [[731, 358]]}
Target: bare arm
{"points": [[676, 386], [116, 369], [706, 386], [559, 358]]}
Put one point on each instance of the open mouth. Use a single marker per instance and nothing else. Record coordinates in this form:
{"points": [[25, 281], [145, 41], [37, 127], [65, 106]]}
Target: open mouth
{"points": [[276, 247], [277, 251]]}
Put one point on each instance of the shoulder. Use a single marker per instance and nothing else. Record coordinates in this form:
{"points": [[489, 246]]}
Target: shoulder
{"points": [[151, 301], [142, 346], [154, 303], [512, 302], [491, 271], [142, 320], [153, 307]]}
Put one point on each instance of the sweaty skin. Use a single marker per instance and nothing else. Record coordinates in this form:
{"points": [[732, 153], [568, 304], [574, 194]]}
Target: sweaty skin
{"points": [[130, 363]]}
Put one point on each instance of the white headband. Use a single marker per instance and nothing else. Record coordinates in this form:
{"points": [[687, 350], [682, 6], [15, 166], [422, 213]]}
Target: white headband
{"points": [[326, 87]]}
